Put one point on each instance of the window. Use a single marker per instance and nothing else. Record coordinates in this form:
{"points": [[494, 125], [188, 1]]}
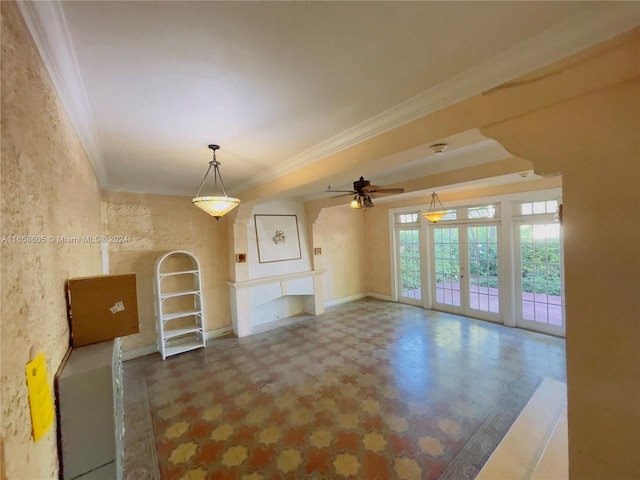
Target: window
{"points": [[537, 208], [407, 218], [484, 211], [450, 215]]}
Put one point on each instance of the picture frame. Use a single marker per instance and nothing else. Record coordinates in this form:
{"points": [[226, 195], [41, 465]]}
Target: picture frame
{"points": [[278, 238]]}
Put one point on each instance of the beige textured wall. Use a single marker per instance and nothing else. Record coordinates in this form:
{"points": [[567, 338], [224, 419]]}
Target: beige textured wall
{"points": [[377, 232], [49, 189], [154, 225], [340, 232], [595, 141]]}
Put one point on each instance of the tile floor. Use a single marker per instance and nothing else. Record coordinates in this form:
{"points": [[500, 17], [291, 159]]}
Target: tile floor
{"points": [[369, 390]]}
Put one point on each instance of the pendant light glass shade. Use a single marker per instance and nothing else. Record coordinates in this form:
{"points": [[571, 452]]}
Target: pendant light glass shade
{"points": [[434, 214], [215, 205], [433, 217]]}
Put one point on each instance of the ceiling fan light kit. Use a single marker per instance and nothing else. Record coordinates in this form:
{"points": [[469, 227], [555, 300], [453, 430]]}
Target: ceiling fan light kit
{"points": [[435, 214], [361, 201], [215, 205]]}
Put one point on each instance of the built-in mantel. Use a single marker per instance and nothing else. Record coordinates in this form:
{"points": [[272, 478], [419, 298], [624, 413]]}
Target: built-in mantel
{"points": [[250, 298]]}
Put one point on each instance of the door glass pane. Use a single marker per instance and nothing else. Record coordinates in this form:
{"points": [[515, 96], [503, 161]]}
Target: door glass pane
{"points": [[484, 291], [410, 284], [447, 266], [541, 273]]}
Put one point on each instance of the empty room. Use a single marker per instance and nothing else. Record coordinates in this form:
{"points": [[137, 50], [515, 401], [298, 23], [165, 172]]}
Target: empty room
{"points": [[320, 240]]}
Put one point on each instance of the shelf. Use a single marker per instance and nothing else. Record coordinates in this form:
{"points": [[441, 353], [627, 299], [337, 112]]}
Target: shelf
{"points": [[185, 313], [176, 332], [179, 294], [182, 272], [181, 347], [275, 279], [186, 333]]}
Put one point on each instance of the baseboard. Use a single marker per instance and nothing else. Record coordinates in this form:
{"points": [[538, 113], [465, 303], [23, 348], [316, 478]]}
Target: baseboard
{"points": [[340, 301], [379, 296], [141, 352], [218, 332]]}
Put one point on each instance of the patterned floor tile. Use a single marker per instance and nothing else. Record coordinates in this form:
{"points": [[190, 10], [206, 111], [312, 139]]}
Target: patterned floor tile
{"points": [[369, 390]]}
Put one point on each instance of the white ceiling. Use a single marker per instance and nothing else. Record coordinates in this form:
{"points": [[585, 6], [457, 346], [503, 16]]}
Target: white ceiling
{"points": [[281, 84]]}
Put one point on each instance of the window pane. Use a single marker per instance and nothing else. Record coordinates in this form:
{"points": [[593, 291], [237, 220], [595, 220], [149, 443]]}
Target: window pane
{"points": [[535, 208], [485, 211], [407, 218], [539, 207], [451, 215]]}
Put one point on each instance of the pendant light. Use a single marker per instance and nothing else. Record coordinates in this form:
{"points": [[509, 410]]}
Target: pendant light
{"points": [[434, 214], [215, 205]]}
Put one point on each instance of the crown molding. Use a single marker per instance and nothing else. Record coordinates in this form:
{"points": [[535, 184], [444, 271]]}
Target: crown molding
{"points": [[48, 29], [564, 39], [47, 25]]}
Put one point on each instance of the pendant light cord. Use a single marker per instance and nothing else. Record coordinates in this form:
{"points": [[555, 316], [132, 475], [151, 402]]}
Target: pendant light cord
{"points": [[202, 182], [216, 174]]}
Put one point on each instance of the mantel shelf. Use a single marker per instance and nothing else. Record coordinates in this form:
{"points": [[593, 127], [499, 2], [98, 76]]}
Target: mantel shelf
{"points": [[275, 279], [249, 297]]}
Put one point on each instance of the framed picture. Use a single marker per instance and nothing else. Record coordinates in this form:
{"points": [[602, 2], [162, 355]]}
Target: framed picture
{"points": [[278, 238]]}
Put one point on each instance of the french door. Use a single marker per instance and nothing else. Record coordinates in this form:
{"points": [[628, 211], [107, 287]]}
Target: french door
{"points": [[539, 289], [409, 271], [465, 270]]}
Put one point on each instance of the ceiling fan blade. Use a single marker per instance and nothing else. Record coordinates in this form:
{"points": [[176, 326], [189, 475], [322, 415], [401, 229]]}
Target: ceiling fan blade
{"points": [[352, 192], [387, 191], [348, 194]]}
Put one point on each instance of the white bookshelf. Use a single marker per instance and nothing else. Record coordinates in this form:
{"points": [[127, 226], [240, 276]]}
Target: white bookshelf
{"points": [[179, 303]]}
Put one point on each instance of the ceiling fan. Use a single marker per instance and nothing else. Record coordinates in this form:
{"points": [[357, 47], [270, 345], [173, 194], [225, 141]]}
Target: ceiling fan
{"points": [[363, 191]]}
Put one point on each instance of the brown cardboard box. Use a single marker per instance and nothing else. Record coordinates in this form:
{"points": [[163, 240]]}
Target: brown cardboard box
{"points": [[102, 308]]}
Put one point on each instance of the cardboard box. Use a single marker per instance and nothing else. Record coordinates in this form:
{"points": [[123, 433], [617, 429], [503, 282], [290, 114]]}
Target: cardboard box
{"points": [[102, 308]]}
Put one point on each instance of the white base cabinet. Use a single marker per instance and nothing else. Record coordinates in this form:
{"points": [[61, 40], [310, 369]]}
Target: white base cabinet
{"points": [[90, 410]]}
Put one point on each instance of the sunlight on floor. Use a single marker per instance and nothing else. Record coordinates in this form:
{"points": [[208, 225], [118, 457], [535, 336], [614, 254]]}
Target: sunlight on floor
{"points": [[536, 446]]}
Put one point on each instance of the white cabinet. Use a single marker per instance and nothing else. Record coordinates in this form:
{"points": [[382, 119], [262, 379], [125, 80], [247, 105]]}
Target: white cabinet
{"points": [[179, 303], [90, 406]]}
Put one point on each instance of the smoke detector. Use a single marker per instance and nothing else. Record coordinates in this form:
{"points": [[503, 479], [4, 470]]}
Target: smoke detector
{"points": [[439, 147]]}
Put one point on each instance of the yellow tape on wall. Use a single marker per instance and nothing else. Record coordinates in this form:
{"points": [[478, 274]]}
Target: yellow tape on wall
{"points": [[40, 398]]}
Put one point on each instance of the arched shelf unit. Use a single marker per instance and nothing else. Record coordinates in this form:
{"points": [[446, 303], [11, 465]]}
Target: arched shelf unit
{"points": [[179, 303]]}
